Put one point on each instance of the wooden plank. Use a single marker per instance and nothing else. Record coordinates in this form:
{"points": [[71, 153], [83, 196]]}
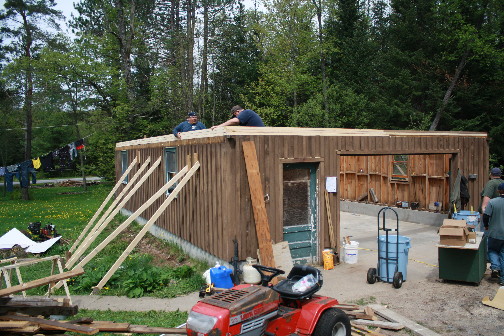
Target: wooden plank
{"points": [[102, 206], [41, 282], [113, 210], [51, 324], [13, 324], [259, 209], [332, 238], [394, 317], [147, 226], [380, 324], [139, 329]]}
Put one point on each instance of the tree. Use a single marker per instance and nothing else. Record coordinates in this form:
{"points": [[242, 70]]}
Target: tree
{"points": [[28, 37]]}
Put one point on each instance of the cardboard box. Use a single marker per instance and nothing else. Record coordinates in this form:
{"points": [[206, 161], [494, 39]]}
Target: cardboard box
{"points": [[471, 237], [453, 232]]}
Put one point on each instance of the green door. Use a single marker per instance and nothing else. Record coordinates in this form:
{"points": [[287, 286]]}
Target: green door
{"points": [[300, 211]]}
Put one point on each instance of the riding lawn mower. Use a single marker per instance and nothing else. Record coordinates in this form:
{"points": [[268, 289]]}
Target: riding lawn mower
{"points": [[287, 308]]}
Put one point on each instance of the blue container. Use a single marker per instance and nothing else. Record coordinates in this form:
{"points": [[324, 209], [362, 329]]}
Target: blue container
{"points": [[221, 277], [391, 258], [471, 218]]}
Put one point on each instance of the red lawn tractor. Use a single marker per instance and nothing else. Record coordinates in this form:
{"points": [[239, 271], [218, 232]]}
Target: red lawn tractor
{"points": [[288, 308]]}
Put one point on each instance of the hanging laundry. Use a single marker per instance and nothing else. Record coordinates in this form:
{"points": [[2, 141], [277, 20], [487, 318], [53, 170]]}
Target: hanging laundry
{"points": [[64, 157], [79, 144], [12, 168], [33, 174], [72, 150], [2, 171], [36, 163], [47, 162], [9, 181], [24, 173]]}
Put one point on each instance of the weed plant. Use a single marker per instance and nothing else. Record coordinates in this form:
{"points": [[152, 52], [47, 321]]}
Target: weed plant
{"points": [[70, 209]]}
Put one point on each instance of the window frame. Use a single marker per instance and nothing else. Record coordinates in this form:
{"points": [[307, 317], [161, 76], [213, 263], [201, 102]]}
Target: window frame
{"points": [[170, 166], [124, 165]]}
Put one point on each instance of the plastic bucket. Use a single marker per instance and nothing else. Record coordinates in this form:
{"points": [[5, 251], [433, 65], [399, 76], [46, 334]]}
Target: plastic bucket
{"points": [[471, 217], [328, 256], [221, 277], [351, 255], [391, 257]]}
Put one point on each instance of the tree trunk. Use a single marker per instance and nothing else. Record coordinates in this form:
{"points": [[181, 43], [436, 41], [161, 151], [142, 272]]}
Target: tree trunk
{"points": [[449, 92], [204, 63], [28, 99], [318, 6]]}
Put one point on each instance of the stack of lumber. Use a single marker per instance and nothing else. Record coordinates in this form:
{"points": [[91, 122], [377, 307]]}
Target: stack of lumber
{"points": [[363, 317], [17, 324]]}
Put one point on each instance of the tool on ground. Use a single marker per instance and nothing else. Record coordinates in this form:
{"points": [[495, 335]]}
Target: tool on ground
{"points": [[271, 310]]}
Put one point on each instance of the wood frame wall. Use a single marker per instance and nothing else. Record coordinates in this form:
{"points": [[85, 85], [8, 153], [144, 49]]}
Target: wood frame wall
{"points": [[215, 205]]}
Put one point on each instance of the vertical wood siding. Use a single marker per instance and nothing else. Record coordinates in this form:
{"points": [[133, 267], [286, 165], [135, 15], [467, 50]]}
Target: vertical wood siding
{"points": [[214, 207]]}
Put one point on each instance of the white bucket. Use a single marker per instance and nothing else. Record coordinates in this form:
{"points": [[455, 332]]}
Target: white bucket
{"points": [[351, 254]]}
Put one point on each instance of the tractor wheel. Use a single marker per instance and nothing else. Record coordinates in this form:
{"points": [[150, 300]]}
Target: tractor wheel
{"points": [[333, 322], [397, 280], [371, 275]]}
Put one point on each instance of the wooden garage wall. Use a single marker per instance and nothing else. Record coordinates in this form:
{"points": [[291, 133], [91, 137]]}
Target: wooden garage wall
{"points": [[214, 207]]}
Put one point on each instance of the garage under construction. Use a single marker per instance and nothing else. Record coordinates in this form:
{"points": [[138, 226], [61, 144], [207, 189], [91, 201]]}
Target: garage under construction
{"points": [[264, 185]]}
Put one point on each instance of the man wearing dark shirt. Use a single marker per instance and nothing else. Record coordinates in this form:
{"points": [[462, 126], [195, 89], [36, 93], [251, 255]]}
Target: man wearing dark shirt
{"points": [[242, 117], [191, 124]]}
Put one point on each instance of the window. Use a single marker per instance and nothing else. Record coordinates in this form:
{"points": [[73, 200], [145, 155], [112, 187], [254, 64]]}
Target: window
{"points": [[400, 168], [124, 165], [170, 159]]}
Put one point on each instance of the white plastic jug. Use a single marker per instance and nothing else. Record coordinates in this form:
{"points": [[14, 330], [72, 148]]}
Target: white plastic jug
{"points": [[250, 274]]}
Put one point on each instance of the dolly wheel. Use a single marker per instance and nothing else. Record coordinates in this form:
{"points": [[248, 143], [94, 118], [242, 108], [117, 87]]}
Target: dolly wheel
{"points": [[333, 322], [371, 275], [398, 280]]}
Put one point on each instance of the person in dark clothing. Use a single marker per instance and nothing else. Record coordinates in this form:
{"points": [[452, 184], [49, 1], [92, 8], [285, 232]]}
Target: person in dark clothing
{"points": [[242, 117], [191, 124], [493, 219]]}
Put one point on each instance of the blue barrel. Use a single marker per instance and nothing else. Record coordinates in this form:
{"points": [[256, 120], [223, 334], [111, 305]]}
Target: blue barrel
{"points": [[392, 259], [221, 277], [471, 217]]}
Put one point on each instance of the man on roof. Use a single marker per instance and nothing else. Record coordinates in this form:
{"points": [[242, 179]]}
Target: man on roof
{"points": [[242, 117], [190, 124]]}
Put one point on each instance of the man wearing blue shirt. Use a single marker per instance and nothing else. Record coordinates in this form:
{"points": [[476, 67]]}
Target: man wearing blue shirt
{"points": [[493, 219], [242, 117], [191, 124]]}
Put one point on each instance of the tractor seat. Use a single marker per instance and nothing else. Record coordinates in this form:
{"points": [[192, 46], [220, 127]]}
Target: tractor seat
{"points": [[292, 288]]}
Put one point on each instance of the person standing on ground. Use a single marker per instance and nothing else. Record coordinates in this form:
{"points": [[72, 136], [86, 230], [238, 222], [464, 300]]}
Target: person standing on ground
{"points": [[191, 124], [242, 117], [490, 190], [493, 219]]}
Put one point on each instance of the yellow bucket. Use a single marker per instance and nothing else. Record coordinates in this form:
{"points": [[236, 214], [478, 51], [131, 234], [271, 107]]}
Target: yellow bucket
{"points": [[328, 256]]}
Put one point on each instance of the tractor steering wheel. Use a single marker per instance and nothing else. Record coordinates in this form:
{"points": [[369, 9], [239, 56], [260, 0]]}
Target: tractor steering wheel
{"points": [[265, 279]]}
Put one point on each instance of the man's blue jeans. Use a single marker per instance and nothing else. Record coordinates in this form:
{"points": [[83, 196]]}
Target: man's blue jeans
{"points": [[496, 255]]}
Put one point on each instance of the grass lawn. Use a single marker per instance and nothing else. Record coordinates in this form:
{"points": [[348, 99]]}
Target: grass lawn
{"points": [[155, 268]]}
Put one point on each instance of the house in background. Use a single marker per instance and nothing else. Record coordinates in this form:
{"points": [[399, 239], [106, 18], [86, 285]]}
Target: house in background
{"points": [[376, 166]]}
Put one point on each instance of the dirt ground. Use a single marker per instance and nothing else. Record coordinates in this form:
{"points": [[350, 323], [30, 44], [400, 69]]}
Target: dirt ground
{"points": [[445, 307]]}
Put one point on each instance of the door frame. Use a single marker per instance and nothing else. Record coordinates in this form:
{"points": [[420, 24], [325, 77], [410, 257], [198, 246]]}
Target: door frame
{"points": [[319, 172]]}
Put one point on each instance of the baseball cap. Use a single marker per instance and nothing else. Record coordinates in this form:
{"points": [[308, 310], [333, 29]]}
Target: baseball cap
{"points": [[501, 186], [192, 114], [496, 172], [234, 109]]}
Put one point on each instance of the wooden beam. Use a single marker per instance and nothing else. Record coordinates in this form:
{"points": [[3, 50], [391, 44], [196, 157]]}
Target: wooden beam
{"points": [[258, 206], [51, 323], [102, 206], [332, 238], [133, 217], [41, 282], [146, 227], [102, 224]]}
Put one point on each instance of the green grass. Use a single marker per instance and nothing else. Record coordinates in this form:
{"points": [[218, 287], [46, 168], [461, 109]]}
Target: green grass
{"points": [[70, 209], [149, 318]]}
